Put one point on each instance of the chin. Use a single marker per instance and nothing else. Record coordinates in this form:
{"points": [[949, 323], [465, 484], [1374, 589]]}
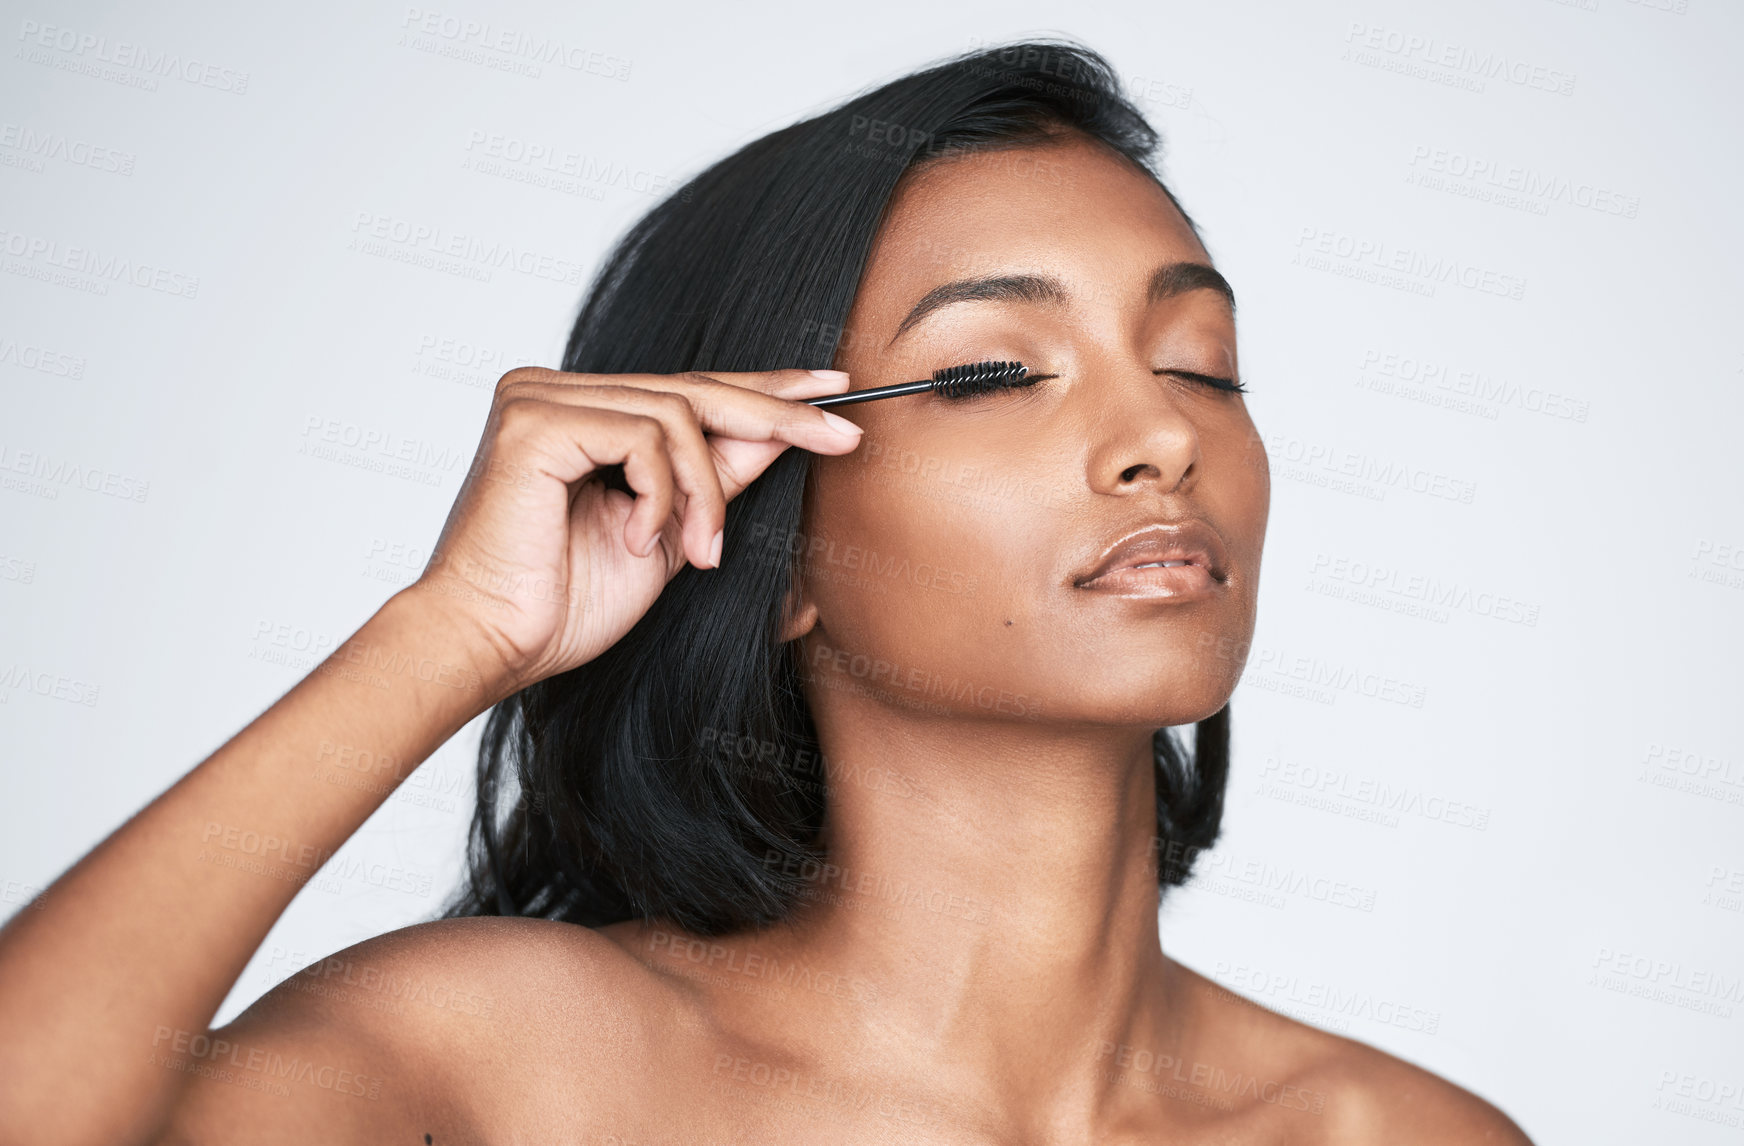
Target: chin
{"points": [[1154, 700]]}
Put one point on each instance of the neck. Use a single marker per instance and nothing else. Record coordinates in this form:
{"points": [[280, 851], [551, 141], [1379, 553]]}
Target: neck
{"points": [[996, 891]]}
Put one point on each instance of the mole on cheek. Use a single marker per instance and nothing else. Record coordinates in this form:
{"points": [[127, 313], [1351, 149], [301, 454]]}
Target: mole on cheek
{"points": [[1008, 622]]}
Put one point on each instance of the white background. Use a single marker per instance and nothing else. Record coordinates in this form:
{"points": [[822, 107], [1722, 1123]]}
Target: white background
{"points": [[1576, 959]]}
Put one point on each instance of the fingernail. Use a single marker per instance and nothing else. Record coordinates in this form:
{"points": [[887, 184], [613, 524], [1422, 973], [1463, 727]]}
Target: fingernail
{"points": [[652, 542], [832, 375], [715, 549], [840, 424]]}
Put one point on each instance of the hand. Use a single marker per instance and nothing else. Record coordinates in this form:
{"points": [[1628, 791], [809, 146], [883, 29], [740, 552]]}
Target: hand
{"points": [[551, 568]]}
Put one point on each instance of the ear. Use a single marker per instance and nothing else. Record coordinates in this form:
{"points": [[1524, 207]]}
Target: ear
{"points": [[798, 615]]}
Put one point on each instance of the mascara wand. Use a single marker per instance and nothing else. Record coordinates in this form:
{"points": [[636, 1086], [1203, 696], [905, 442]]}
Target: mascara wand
{"points": [[948, 382]]}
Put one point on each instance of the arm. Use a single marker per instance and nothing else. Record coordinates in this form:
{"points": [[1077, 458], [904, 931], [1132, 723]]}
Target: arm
{"points": [[128, 955], [108, 982]]}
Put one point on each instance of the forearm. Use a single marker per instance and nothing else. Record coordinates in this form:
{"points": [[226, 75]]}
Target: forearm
{"points": [[150, 930]]}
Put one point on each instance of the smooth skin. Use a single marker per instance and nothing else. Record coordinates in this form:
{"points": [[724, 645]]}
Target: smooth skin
{"points": [[981, 964]]}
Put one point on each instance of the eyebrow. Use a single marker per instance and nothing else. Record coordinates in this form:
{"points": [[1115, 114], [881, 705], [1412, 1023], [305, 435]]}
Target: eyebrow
{"points": [[1168, 280]]}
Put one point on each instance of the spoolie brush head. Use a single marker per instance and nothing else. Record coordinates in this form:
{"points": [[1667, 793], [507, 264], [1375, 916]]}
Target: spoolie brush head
{"points": [[979, 377]]}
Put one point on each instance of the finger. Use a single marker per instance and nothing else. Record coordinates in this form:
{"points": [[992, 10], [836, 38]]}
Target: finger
{"points": [[705, 481], [575, 441], [805, 383], [647, 471], [773, 382], [741, 463], [695, 476], [699, 498], [721, 407]]}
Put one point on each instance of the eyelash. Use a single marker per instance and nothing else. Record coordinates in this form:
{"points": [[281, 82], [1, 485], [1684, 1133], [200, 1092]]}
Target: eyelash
{"points": [[1227, 385]]}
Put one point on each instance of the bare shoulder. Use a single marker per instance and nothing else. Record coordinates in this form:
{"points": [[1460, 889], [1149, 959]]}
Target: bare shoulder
{"points": [[1376, 1097], [1358, 1093], [442, 1028]]}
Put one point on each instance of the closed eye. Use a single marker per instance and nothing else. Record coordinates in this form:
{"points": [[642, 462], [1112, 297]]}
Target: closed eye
{"points": [[1029, 382], [1211, 380], [1228, 385]]}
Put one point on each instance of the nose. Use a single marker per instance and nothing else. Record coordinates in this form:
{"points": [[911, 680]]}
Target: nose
{"points": [[1150, 444]]}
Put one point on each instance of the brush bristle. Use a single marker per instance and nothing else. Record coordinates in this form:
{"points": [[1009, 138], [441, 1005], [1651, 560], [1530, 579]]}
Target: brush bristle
{"points": [[978, 378]]}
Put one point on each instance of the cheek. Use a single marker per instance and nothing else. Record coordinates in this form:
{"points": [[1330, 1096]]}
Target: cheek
{"points": [[1237, 488], [937, 586], [908, 553], [916, 569]]}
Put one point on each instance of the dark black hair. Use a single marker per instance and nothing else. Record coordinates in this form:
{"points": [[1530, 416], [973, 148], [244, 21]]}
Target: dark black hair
{"points": [[622, 788]]}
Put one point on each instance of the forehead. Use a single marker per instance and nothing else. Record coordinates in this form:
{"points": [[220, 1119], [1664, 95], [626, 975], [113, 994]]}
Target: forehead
{"points": [[1074, 209]]}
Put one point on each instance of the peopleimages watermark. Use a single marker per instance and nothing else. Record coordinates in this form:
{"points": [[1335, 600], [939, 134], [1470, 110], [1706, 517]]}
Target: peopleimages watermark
{"points": [[1285, 991], [55, 686], [1511, 185], [1252, 878], [822, 876], [309, 650], [43, 360], [711, 955], [376, 449], [204, 1051], [1396, 590], [1343, 470], [1718, 563], [1341, 792], [504, 49], [378, 988], [823, 1095], [27, 895], [1278, 671], [405, 781], [1388, 264], [1159, 93], [48, 475], [892, 681], [272, 855], [1680, 1091], [810, 770], [98, 56], [1694, 772], [1209, 1077], [466, 362], [557, 168], [436, 247], [823, 556], [803, 768], [1668, 981], [1409, 376], [1725, 888], [28, 147], [1433, 58], [89, 269], [1029, 64], [882, 139], [19, 569], [950, 479]]}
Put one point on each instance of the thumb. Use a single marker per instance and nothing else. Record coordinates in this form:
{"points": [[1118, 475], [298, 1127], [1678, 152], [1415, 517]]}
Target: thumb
{"points": [[739, 463]]}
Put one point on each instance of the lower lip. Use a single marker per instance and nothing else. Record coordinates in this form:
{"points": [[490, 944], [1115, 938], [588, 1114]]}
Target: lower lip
{"points": [[1178, 583]]}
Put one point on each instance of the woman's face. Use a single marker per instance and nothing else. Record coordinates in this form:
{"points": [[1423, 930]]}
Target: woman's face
{"points": [[945, 556]]}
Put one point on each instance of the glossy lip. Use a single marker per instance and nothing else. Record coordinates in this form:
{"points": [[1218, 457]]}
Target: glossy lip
{"points": [[1191, 541]]}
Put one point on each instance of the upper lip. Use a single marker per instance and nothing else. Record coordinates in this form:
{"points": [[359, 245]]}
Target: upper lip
{"points": [[1192, 541]]}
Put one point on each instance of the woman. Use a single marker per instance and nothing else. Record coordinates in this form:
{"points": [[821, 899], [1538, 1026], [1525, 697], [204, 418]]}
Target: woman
{"points": [[827, 790]]}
